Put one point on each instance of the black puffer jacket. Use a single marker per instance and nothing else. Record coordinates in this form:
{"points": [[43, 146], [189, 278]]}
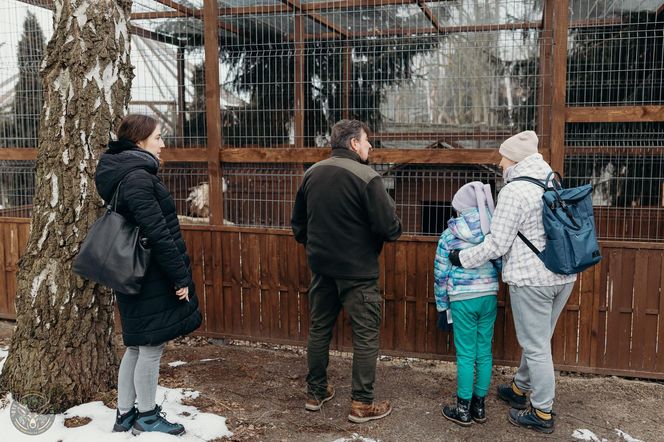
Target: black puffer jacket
{"points": [[155, 315]]}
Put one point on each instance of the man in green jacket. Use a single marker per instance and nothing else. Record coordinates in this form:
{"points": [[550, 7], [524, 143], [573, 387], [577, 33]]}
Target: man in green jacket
{"points": [[343, 215]]}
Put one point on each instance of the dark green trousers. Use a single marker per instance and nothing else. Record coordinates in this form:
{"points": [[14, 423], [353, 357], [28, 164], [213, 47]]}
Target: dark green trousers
{"points": [[362, 301]]}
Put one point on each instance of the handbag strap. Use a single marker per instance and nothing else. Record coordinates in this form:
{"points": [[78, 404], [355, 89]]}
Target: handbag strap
{"points": [[113, 204]]}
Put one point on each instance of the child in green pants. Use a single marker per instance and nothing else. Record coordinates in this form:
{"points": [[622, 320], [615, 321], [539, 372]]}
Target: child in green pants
{"points": [[467, 297]]}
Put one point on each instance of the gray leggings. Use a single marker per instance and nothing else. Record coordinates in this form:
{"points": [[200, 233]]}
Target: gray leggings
{"points": [[138, 376]]}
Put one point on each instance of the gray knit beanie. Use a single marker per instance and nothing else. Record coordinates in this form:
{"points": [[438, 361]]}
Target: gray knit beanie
{"points": [[519, 146]]}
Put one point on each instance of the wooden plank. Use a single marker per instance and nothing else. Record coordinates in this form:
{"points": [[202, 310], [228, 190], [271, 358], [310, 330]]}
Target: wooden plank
{"points": [[255, 10], [614, 114], [429, 14], [639, 317], [299, 82], [213, 110], [388, 325], [346, 81], [212, 307], [182, 103], [410, 336], [400, 257], [298, 305], [409, 32], [659, 363], [297, 6], [500, 324], [302, 155], [180, 7], [512, 348], [587, 308], [354, 4], [423, 269], [5, 294], [620, 313], [269, 271], [559, 82], [233, 300], [545, 78], [217, 290], [155, 36], [157, 14], [11, 247], [652, 309], [399, 156], [194, 241], [251, 262], [18, 154]]}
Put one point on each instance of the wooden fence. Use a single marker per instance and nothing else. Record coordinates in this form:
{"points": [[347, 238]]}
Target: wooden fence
{"points": [[253, 284]]}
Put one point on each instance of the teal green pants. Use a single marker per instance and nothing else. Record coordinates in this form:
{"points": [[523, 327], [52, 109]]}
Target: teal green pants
{"points": [[473, 331]]}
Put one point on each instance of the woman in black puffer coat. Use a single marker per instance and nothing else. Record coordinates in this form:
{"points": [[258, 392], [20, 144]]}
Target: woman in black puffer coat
{"points": [[167, 306]]}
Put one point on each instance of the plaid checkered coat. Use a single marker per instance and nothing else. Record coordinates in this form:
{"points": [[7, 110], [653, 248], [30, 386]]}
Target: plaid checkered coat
{"points": [[519, 208]]}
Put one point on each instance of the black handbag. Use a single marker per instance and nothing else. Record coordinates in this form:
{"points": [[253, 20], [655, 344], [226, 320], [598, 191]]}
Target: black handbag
{"points": [[113, 252]]}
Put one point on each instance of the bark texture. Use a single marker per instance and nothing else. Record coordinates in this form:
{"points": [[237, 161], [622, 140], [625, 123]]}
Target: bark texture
{"points": [[63, 344]]}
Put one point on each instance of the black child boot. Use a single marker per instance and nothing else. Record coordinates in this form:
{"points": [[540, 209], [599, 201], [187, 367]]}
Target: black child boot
{"points": [[477, 410], [459, 414]]}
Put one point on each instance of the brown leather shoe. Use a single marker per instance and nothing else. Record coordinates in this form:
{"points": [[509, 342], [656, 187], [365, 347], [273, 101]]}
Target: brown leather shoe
{"points": [[314, 404], [361, 412]]}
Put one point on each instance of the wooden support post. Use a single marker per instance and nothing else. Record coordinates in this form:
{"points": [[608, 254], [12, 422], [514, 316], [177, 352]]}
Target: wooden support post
{"points": [[212, 109], [559, 84], [544, 97], [299, 80], [346, 81], [181, 107]]}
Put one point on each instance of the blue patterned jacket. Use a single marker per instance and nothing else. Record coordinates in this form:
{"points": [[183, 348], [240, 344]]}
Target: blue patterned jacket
{"points": [[455, 283]]}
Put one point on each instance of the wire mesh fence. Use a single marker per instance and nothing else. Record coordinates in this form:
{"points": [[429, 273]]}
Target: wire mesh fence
{"points": [[438, 74], [617, 56], [455, 75], [17, 188]]}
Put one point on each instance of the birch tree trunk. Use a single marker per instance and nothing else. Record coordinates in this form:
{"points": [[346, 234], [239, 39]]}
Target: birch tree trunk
{"points": [[63, 343]]}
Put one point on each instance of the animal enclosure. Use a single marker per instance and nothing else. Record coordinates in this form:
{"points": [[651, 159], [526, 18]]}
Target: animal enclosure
{"points": [[247, 91]]}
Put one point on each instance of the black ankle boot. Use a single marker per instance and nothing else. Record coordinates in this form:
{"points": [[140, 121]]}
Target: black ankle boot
{"points": [[459, 414], [477, 411]]}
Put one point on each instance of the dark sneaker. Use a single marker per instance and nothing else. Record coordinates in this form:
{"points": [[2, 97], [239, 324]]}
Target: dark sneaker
{"points": [[459, 414], [477, 410], [511, 394], [313, 404], [124, 422], [155, 421], [531, 419], [361, 412]]}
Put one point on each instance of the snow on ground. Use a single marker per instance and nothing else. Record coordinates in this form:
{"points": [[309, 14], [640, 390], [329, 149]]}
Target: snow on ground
{"points": [[584, 434], [356, 437], [176, 363], [199, 426], [3, 357], [626, 436]]}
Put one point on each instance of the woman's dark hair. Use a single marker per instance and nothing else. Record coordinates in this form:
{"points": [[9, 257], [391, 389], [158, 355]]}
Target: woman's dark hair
{"points": [[136, 127], [346, 130]]}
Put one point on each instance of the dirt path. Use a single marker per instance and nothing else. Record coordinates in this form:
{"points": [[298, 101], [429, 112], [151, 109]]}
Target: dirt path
{"points": [[261, 391]]}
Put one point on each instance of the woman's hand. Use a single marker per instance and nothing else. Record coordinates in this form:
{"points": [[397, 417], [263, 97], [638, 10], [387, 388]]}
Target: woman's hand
{"points": [[183, 293]]}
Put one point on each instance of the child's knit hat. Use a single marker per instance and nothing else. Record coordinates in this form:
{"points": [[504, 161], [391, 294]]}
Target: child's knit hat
{"points": [[475, 194], [519, 146]]}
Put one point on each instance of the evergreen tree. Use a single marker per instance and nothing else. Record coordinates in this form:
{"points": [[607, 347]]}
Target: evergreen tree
{"points": [[28, 93]]}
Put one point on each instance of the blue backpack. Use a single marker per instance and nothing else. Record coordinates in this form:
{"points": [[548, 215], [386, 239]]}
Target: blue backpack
{"points": [[571, 244]]}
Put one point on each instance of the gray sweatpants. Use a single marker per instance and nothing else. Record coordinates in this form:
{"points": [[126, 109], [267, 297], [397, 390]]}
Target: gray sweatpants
{"points": [[138, 377], [536, 311]]}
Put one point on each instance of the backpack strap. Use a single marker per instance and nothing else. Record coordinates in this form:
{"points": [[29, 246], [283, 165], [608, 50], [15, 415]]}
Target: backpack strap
{"points": [[530, 180], [530, 245], [537, 182]]}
